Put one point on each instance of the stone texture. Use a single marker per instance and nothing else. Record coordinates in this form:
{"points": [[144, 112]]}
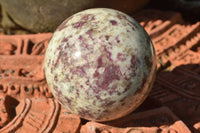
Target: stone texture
{"points": [[46, 15], [176, 86], [106, 61]]}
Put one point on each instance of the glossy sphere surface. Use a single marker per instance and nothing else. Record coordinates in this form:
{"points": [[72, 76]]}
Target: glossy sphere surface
{"points": [[100, 64]]}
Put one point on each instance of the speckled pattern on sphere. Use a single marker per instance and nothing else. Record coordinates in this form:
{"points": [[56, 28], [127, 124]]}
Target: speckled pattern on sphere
{"points": [[100, 64]]}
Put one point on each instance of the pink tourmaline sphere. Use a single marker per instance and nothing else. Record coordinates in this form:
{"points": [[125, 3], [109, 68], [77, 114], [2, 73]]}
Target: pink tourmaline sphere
{"points": [[100, 64]]}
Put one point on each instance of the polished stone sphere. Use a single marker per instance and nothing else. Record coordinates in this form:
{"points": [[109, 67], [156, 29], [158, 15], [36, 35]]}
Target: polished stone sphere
{"points": [[100, 64]]}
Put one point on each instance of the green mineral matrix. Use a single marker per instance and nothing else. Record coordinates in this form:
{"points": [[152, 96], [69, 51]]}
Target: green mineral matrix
{"points": [[100, 64]]}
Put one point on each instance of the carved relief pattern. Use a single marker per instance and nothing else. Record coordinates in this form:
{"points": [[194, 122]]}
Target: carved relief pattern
{"points": [[21, 65], [26, 103]]}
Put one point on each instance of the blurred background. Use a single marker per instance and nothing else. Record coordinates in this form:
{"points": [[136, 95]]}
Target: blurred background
{"points": [[33, 16]]}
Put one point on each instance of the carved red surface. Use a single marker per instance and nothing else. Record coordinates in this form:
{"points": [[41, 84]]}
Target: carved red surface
{"points": [[27, 105]]}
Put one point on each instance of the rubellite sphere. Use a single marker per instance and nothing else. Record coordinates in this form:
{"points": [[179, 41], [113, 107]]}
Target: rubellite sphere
{"points": [[100, 64]]}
